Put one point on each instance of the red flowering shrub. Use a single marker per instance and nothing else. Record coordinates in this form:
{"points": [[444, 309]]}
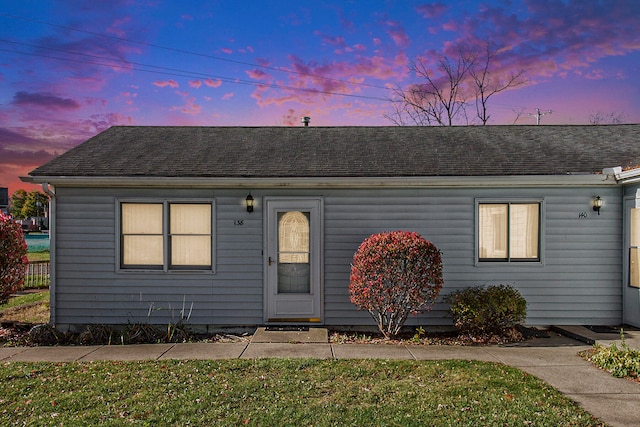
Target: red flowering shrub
{"points": [[13, 257], [393, 275]]}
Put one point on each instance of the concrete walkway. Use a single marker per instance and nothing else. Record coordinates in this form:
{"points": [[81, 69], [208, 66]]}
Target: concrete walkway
{"points": [[554, 360]]}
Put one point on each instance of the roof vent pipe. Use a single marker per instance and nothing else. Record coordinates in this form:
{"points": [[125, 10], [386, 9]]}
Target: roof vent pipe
{"points": [[306, 120]]}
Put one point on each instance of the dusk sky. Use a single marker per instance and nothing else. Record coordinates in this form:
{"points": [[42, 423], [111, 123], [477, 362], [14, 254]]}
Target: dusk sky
{"points": [[70, 69]]}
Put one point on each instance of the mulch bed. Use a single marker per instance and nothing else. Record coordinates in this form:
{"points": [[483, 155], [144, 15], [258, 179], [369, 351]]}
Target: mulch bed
{"points": [[25, 334], [506, 336]]}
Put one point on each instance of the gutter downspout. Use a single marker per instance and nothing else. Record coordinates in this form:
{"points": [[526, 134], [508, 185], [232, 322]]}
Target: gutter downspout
{"points": [[50, 191]]}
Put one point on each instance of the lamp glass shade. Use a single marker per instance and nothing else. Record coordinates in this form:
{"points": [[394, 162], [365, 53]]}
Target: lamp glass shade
{"points": [[597, 203], [249, 203]]}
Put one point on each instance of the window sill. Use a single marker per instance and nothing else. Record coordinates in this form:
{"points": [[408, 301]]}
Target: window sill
{"points": [[518, 264], [126, 271]]}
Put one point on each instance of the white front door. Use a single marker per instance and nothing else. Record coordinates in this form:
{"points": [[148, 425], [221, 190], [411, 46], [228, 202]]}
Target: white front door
{"points": [[293, 255]]}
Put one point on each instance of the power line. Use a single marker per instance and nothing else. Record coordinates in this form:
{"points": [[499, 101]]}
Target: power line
{"points": [[172, 71], [187, 52], [190, 74]]}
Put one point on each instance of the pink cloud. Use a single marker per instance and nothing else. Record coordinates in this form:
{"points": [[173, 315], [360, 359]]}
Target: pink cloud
{"points": [[226, 50], [44, 100], [213, 83], [15, 162], [170, 83], [290, 118], [550, 41], [190, 107], [397, 34], [24, 157], [227, 96], [9, 137], [318, 82], [258, 74], [263, 62], [449, 26], [128, 97], [116, 29], [595, 74], [115, 55], [96, 123], [195, 83], [330, 40], [38, 141], [432, 10], [350, 49]]}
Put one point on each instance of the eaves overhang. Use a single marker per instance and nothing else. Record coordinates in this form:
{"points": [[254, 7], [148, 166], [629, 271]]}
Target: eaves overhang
{"points": [[569, 180], [628, 177]]}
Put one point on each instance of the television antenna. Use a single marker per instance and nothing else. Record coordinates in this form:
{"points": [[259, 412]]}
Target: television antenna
{"points": [[538, 115]]}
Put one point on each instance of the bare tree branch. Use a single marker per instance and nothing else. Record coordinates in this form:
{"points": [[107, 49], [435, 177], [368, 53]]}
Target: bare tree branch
{"points": [[449, 84], [519, 114], [602, 118], [487, 83]]}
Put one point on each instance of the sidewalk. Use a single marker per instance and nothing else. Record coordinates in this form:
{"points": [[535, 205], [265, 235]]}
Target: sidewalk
{"points": [[554, 360]]}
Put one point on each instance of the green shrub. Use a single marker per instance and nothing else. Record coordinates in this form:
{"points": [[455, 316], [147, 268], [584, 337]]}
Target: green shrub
{"points": [[490, 309], [623, 362]]}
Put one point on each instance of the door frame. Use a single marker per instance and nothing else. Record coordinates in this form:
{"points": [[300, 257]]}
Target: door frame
{"points": [[315, 205], [630, 295]]}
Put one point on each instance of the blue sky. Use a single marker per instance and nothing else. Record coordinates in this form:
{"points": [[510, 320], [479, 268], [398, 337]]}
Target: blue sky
{"points": [[70, 69]]}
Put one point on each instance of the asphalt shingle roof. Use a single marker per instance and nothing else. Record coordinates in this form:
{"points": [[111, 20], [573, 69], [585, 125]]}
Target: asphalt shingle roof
{"points": [[348, 151]]}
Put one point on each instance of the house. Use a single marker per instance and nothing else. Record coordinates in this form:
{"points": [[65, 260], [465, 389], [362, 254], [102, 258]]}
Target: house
{"points": [[233, 227]]}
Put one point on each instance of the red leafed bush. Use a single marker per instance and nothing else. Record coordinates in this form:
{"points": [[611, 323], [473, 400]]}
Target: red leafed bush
{"points": [[393, 275], [13, 257]]}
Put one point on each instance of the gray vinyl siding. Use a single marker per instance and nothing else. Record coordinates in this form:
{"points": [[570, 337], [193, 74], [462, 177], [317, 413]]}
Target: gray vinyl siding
{"points": [[577, 282], [91, 290]]}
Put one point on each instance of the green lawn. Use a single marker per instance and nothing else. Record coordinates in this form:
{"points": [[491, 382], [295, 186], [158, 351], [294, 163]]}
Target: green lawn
{"points": [[26, 299], [39, 256], [28, 308], [280, 392]]}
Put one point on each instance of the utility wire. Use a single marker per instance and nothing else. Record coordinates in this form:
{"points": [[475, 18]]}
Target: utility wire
{"points": [[190, 74], [187, 52], [104, 58]]}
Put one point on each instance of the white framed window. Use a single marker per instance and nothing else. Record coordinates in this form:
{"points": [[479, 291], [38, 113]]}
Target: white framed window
{"points": [[141, 241], [166, 235], [509, 231]]}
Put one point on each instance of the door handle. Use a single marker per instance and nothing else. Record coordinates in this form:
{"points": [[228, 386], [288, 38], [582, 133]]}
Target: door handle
{"points": [[270, 261]]}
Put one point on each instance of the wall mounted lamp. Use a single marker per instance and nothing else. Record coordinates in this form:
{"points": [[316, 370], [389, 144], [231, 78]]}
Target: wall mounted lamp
{"points": [[249, 203], [597, 204]]}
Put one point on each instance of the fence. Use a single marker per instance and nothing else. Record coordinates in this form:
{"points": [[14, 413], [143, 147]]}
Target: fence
{"points": [[37, 275]]}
